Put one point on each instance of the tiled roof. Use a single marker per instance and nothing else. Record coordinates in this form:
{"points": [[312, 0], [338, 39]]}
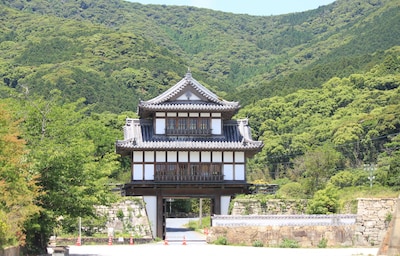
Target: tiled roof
{"points": [[236, 136], [208, 101]]}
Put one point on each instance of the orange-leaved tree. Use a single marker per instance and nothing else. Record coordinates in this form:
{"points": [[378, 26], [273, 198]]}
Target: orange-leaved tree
{"points": [[18, 189]]}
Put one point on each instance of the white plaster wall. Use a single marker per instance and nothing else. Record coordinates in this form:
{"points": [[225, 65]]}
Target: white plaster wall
{"points": [[183, 156], [239, 172], [195, 156], [206, 156], [149, 171], [160, 156], [225, 200], [160, 126], [228, 171], [137, 172], [228, 157], [171, 156], [216, 126], [217, 157], [239, 157], [151, 209], [149, 156]]}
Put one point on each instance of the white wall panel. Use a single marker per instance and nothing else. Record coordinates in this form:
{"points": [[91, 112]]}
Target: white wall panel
{"points": [[149, 171], [206, 156], [151, 210], [195, 156], [228, 157], [239, 172], [225, 200], [137, 156], [137, 172], [183, 156], [171, 156], [217, 157], [160, 156], [239, 157], [228, 171], [160, 126], [216, 126], [149, 156]]}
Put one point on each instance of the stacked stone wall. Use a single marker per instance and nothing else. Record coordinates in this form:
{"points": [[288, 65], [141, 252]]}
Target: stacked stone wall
{"points": [[373, 218], [128, 216], [10, 251], [270, 207], [275, 236]]}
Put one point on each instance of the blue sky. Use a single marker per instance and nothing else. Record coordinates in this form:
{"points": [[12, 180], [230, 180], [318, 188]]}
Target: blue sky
{"points": [[252, 7]]}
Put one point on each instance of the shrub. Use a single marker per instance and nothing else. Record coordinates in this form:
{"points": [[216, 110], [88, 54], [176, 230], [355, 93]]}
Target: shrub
{"points": [[323, 243], [258, 243], [221, 241], [288, 243], [292, 190], [325, 201]]}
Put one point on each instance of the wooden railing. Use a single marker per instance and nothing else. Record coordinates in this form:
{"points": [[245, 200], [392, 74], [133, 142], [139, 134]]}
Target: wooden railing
{"points": [[188, 178], [188, 131]]}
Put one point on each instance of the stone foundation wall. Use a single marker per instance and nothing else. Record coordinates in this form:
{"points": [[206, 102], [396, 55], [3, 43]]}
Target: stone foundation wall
{"points": [[127, 216], [11, 251], [373, 218], [274, 236], [270, 207]]}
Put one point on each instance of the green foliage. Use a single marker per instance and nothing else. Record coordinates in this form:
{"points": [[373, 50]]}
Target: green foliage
{"points": [[292, 190], [323, 243], [18, 184], [289, 243], [73, 157], [393, 178], [221, 241], [325, 201], [260, 56], [320, 89], [120, 214], [258, 243]]}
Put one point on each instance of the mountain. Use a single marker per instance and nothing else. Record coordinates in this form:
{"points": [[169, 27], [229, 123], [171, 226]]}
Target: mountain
{"points": [[115, 52]]}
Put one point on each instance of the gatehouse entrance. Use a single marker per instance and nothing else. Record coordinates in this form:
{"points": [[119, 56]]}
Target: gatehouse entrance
{"points": [[156, 199], [185, 144]]}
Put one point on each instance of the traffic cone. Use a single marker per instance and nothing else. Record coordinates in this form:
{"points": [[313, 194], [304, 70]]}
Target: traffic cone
{"points": [[165, 241], [78, 242], [109, 240], [131, 242], [184, 240]]}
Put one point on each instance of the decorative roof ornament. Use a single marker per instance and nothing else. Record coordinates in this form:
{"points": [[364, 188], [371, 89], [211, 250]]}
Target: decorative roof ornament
{"points": [[188, 74], [202, 99]]}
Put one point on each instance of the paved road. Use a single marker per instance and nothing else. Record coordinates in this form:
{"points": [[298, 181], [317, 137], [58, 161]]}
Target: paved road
{"points": [[176, 231], [197, 249], [196, 246]]}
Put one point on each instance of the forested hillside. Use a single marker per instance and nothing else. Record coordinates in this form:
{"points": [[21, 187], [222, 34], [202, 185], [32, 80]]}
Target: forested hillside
{"points": [[274, 54], [320, 89]]}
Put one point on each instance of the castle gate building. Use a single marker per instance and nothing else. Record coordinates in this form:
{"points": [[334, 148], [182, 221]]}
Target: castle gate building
{"points": [[186, 145]]}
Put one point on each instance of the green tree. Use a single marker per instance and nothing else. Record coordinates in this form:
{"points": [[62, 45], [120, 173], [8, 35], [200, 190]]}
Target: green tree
{"points": [[18, 188], [317, 167], [73, 160], [324, 201], [393, 176]]}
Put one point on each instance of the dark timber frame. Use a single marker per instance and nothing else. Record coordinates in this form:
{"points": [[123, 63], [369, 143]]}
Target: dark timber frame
{"points": [[184, 190], [186, 145]]}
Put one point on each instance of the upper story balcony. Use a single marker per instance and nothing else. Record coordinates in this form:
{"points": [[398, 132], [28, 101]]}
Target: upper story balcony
{"points": [[160, 177], [188, 131]]}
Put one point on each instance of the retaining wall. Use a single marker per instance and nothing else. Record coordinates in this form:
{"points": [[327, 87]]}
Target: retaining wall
{"points": [[373, 216], [128, 215], [10, 251]]}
